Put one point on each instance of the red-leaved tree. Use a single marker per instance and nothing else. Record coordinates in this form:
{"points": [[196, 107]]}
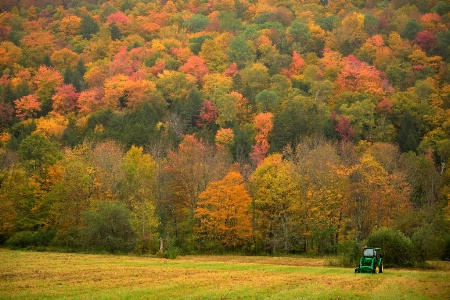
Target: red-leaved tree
{"points": [[208, 114]]}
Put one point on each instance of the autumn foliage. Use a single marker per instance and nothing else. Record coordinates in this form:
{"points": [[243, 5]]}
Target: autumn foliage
{"points": [[276, 126], [223, 212]]}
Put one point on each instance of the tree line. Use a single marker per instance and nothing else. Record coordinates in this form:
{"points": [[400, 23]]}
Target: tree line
{"points": [[308, 199]]}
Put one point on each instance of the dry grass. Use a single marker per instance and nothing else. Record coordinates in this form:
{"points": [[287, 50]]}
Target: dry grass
{"points": [[39, 275]]}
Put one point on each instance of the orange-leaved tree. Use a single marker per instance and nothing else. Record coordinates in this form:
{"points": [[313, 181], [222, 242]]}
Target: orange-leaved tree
{"points": [[263, 124], [46, 81], [195, 66], [357, 76], [27, 107], [223, 212]]}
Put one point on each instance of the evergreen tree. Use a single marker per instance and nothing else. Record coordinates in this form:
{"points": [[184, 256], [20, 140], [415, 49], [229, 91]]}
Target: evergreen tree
{"points": [[88, 26], [75, 77], [47, 61], [408, 136], [116, 34], [68, 76], [411, 29], [243, 140], [8, 94]]}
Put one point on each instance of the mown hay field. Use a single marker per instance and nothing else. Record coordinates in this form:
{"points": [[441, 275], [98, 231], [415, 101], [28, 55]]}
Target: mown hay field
{"points": [[43, 275]]}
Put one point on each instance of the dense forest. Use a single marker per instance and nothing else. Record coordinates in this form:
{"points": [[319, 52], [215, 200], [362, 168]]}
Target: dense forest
{"points": [[256, 126]]}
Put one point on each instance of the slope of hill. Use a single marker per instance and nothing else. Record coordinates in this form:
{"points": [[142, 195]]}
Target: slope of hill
{"points": [[254, 125]]}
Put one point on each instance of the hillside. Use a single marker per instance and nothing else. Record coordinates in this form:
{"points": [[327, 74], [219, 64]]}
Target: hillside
{"points": [[225, 125]]}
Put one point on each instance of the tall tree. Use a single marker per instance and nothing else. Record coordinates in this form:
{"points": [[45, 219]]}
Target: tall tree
{"points": [[37, 154], [263, 124], [106, 158], [64, 59], [21, 207], [298, 117], [188, 172], [195, 66], [196, 23], [71, 195], [216, 85], [9, 54], [174, 85], [212, 52], [411, 29], [65, 99], [241, 52], [69, 26], [37, 46], [138, 191], [359, 76], [322, 184], [47, 80], [376, 199], [350, 35], [223, 213], [208, 114], [274, 193]]}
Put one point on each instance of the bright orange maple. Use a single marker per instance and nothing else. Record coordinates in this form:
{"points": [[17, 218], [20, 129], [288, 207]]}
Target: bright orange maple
{"points": [[223, 212]]}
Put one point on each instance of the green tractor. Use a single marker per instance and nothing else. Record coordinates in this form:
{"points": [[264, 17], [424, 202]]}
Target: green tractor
{"points": [[371, 261]]}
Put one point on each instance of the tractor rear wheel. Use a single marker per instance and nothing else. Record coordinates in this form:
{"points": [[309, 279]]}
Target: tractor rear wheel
{"points": [[381, 268]]}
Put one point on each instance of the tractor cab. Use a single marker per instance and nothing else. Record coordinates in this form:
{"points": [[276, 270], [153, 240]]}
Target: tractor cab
{"points": [[371, 261], [372, 252]]}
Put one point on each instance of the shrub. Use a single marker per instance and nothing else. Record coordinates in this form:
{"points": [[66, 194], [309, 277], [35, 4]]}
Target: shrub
{"points": [[427, 244], [349, 253], [68, 239], [397, 249], [446, 252], [171, 253], [21, 239], [108, 229], [44, 237], [146, 245], [3, 238], [26, 239]]}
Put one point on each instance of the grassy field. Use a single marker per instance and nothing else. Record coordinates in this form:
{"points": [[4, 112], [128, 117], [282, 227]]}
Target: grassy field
{"points": [[40, 275]]}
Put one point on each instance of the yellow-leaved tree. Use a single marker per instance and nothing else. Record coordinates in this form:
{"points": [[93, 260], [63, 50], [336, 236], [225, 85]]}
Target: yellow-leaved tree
{"points": [[138, 191], [322, 182], [275, 193], [377, 197]]}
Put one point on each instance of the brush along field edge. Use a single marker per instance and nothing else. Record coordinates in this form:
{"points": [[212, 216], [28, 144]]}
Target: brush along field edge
{"points": [[39, 275]]}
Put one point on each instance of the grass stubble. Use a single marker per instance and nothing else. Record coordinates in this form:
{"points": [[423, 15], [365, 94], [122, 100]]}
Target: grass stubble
{"points": [[49, 275]]}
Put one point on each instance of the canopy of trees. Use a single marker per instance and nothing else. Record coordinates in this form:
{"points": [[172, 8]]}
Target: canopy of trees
{"points": [[237, 125]]}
